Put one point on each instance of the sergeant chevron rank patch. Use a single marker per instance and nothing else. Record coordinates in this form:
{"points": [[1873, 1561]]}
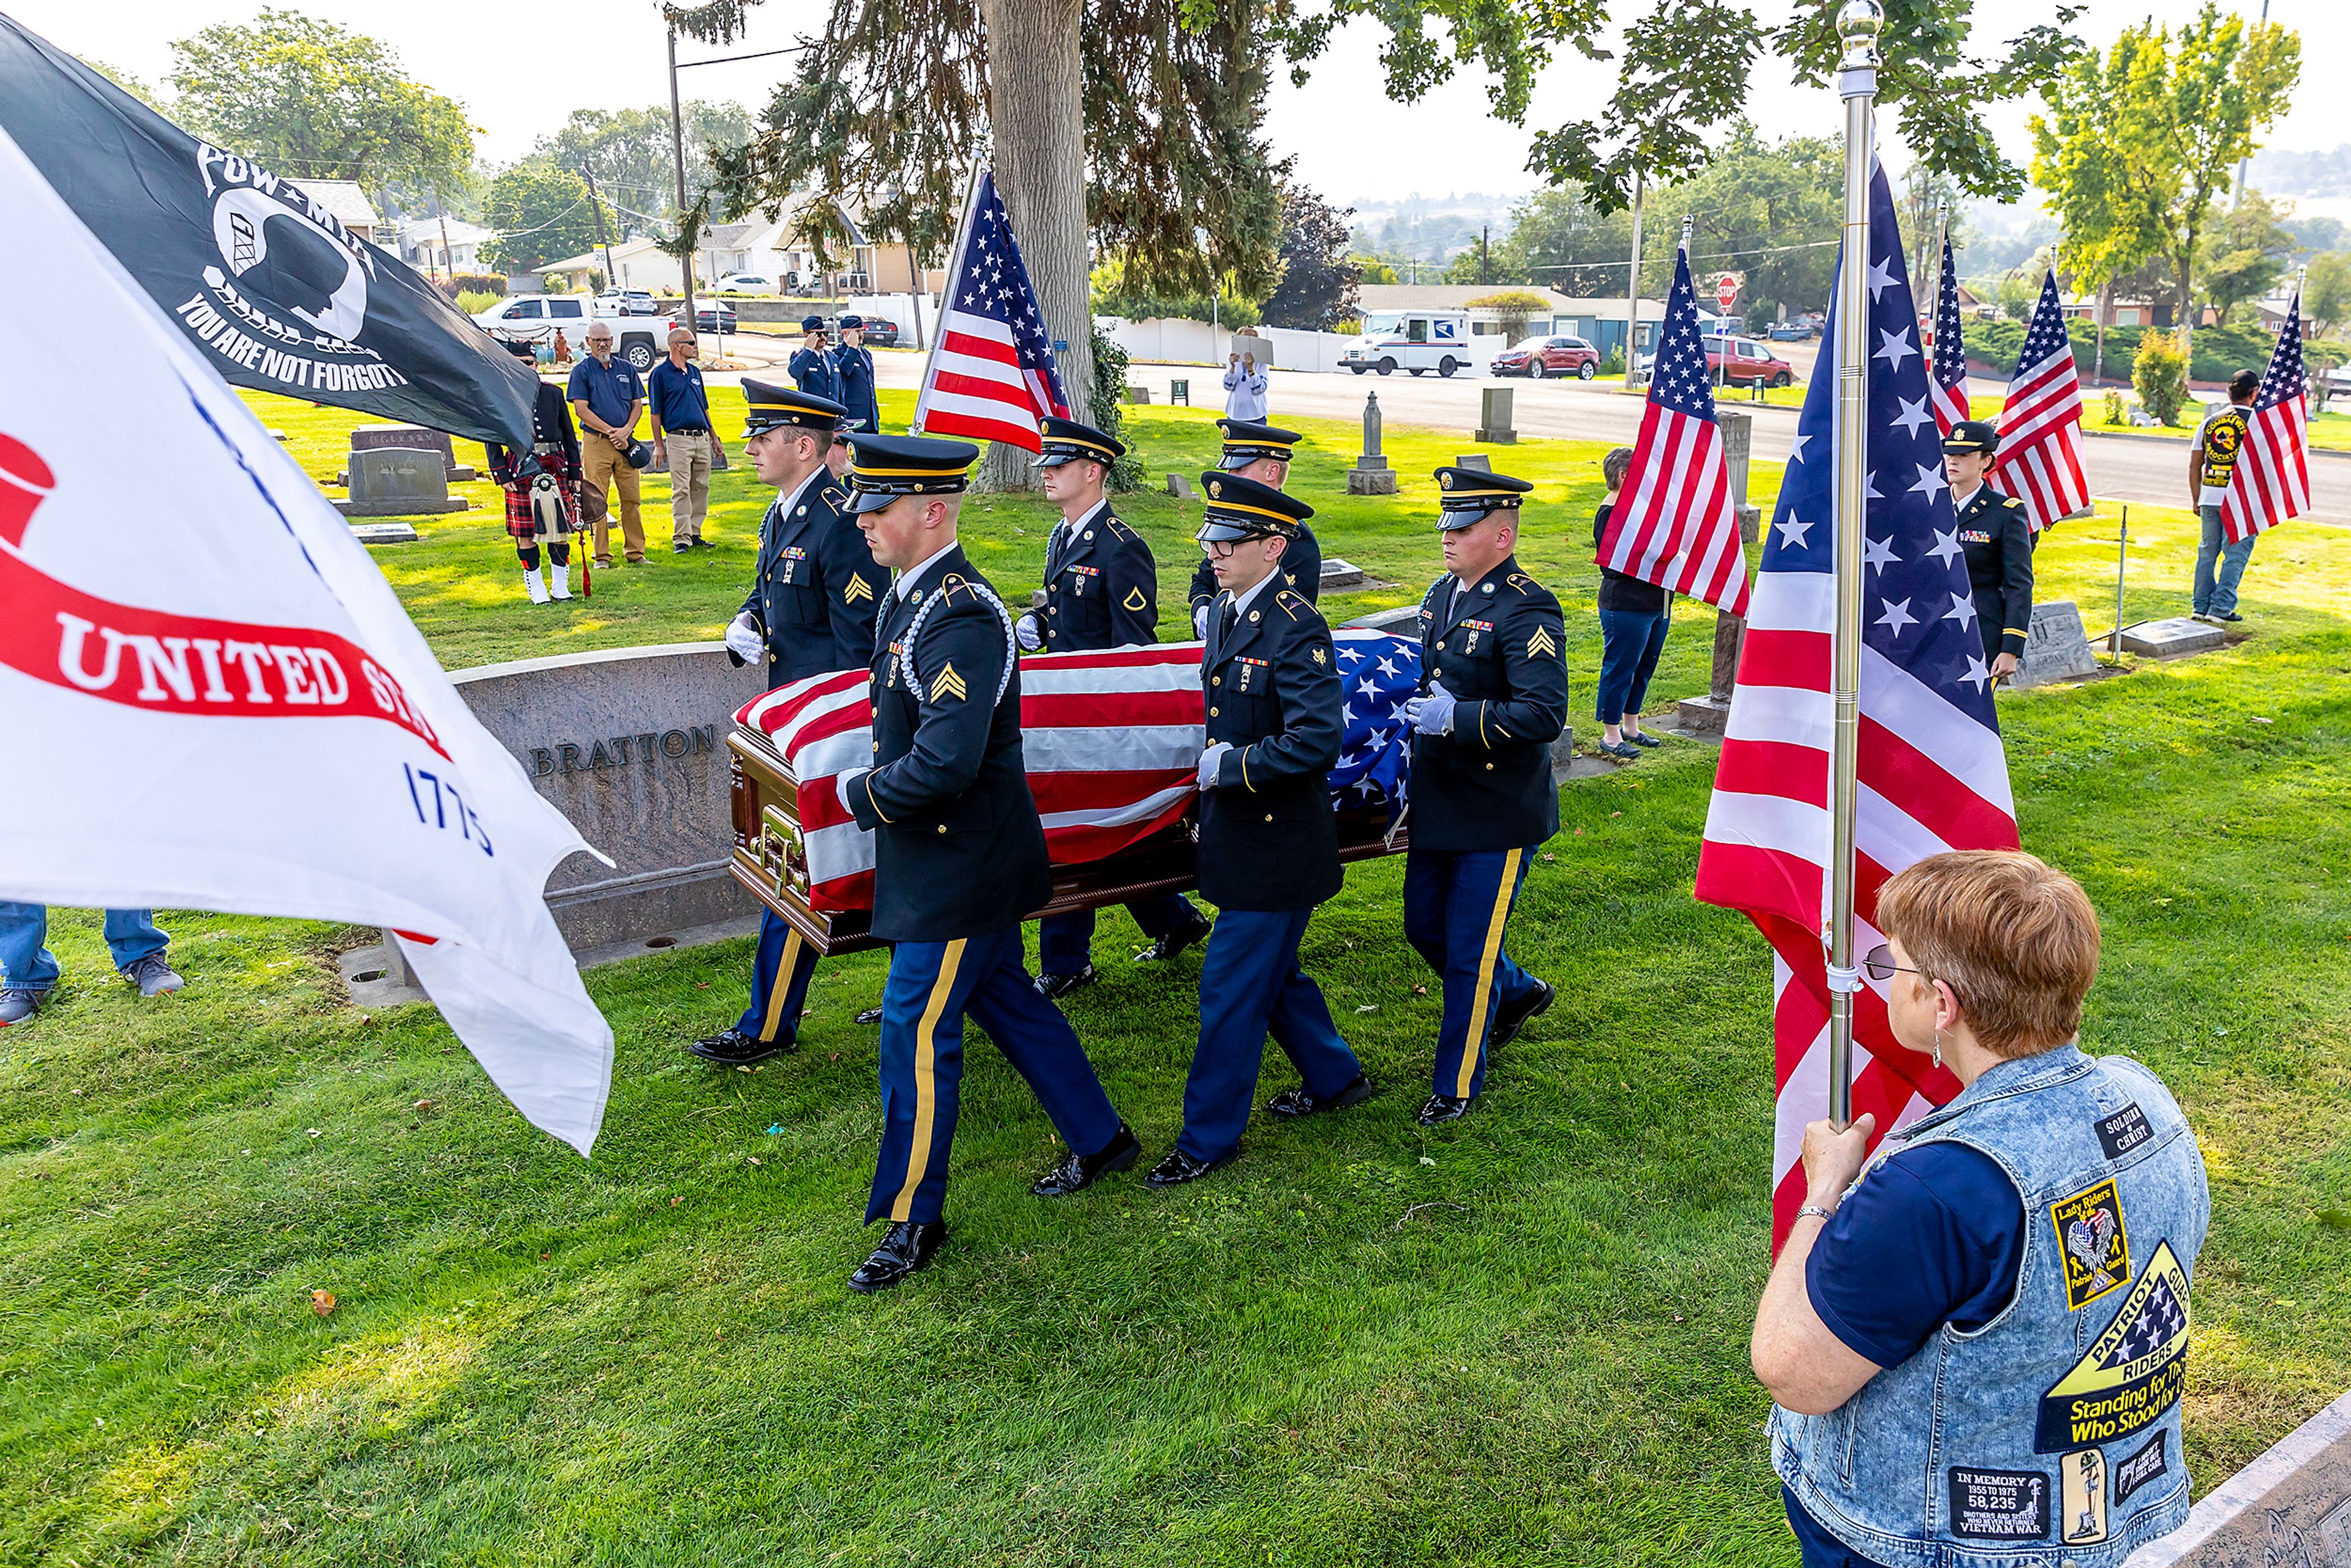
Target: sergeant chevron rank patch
{"points": [[857, 591], [2132, 1373], [1541, 645], [948, 684]]}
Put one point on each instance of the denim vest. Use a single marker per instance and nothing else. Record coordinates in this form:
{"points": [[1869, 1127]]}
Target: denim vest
{"points": [[2050, 1437]]}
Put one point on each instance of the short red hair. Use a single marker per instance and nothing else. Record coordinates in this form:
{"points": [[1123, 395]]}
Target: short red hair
{"points": [[2014, 938]]}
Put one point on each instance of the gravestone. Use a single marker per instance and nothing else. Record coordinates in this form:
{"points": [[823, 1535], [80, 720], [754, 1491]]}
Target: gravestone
{"points": [[399, 482], [2290, 1508], [1180, 485], [1477, 460], [1371, 475], [416, 437], [2055, 649], [2171, 639], [1494, 426], [1138, 394], [1337, 573], [1709, 714], [384, 533]]}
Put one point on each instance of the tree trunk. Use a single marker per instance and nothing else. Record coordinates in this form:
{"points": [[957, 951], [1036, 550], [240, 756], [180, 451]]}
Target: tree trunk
{"points": [[1037, 116]]}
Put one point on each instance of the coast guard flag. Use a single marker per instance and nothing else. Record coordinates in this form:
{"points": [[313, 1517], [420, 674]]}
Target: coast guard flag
{"points": [[991, 374], [218, 702], [1933, 774]]}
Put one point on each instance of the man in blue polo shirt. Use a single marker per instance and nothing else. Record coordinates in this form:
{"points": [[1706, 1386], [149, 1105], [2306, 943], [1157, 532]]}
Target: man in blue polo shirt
{"points": [[684, 439], [607, 396]]}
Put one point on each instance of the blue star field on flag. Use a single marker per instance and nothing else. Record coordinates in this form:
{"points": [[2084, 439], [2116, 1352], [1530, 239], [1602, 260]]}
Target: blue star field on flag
{"points": [[1917, 609], [1681, 381], [2286, 378], [1950, 344], [1376, 674], [2046, 337], [994, 283]]}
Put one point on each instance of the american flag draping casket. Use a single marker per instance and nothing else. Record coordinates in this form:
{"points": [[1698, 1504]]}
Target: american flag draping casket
{"points": [[1112, 742]]}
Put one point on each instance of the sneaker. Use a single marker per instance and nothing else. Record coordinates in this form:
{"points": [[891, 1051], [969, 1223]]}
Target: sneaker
{"points": [[701, 543], [153, 976], [2204, 615], [1644, 739], [679, 549], [1622, 752], [17, 1006], [2224, 618]]}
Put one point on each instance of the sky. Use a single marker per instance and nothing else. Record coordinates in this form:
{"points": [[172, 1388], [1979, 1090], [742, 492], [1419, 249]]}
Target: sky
{"points": [[520, 79]]}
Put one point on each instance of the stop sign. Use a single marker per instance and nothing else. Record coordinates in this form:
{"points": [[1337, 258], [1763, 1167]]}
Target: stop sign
{"points": [[1726, 291]]}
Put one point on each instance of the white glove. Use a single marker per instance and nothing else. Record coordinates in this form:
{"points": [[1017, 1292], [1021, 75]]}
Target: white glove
{"points": [[1200, 622], [841, 783], [744, 640], [1431, 715], [1212, 763], [1026, 629]]}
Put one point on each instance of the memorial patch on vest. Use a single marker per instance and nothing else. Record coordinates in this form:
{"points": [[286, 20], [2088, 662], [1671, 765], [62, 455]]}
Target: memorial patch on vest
{"points": [[2092, 1242], [2124, 1131], [2141, 1468], [1999, 1505], [2082, 1498], [2132, 1373]]}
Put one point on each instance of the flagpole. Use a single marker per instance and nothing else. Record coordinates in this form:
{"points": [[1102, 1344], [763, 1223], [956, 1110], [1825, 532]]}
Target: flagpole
{"points": [[1857, 26], [955, 260]]}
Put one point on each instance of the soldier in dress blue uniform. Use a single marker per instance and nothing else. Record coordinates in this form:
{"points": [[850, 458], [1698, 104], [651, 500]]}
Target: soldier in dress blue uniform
{"points": [[958, 859], [1101, 591], [812, 366], [811, 611], [1996, 536], [1261, 452], [852, 369], [1493, 698], [1268, 837]]}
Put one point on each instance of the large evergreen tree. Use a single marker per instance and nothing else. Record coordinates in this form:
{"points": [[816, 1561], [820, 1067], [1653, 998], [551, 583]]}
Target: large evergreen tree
{"points": [[1317, 283]]}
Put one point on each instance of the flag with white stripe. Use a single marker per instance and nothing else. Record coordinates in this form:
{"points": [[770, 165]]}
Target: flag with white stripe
{"points": [[991, 374], [1676, 524], [2040, 429], [1950, 346], [2271, 480], [1932, 773]]}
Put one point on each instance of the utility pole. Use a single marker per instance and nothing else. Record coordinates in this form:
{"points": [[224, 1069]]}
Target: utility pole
{"points": [[1484, 232], [596, 202], [1633, 293], [441, 212], [677, 148], [914, 290]]}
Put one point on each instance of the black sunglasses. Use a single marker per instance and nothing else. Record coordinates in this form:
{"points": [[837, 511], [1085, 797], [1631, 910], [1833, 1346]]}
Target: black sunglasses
{"points": [[1880, 965]]}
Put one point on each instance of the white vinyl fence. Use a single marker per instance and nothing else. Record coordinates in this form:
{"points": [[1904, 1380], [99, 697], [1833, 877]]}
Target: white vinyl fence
{"points": [[1169, 340]]}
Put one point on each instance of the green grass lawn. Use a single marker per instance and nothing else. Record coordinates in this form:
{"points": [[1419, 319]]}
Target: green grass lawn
{"points": [[1522, 1339]]}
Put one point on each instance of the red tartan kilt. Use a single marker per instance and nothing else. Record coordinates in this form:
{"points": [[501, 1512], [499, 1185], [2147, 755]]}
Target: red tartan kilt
{"points": [[520, 522]]}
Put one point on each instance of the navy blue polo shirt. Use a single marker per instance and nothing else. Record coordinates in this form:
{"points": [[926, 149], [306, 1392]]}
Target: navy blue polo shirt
{"points": [[1932, 1235], [676, 397], [608, 391]]}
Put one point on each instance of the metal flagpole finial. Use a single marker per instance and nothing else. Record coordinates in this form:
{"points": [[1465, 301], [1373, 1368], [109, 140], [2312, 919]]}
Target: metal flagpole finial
{"points": [[1858, 24]]}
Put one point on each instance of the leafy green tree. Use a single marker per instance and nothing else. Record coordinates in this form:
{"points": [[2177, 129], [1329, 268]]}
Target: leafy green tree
{"points": [[629, 152], [2159, 374], [1560, 240], [541, 213], [1761, 208], [126, 81], [1317, 283], [1372, 269], [2326, 292], [2244, 255], [307, 99], [1518, 307]]}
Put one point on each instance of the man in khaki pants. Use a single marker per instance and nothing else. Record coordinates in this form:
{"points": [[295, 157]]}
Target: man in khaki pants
{"points": [[684, 439], [607, 397]]}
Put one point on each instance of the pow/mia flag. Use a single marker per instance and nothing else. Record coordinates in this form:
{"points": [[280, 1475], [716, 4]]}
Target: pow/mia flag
{"points": [[273, 291]]}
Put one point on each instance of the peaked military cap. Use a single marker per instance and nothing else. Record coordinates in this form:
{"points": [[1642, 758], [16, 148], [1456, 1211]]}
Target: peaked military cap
{"points": [[847, 322], [1067, 441], [1241, 509], [1469, 496], [521, 350], [811, 323], [1972, 435], [883, 467], [1246, 443], [774, 407]]}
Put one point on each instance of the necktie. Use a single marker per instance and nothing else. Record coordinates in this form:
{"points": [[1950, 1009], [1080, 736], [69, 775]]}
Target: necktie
{"points": [[1232, 619]]}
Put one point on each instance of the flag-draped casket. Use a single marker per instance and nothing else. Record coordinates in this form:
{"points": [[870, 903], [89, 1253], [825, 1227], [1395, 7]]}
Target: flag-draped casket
{"points": [[1112, 743]]}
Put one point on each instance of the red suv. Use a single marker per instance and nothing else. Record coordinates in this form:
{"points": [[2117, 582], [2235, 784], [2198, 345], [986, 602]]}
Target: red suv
{"points": [[1740, 361], [1544, 356]]}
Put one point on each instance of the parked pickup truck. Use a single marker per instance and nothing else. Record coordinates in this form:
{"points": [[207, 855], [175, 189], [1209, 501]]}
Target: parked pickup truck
{"points": [[536, 318]]}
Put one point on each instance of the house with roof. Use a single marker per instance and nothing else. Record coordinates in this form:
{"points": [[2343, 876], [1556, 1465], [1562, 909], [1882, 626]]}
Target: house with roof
{"points": [[350, 205], [444, 244]]}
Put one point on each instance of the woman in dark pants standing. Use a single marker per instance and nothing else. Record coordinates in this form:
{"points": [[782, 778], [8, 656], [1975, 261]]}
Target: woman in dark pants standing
{"points": [[1634, 618]]}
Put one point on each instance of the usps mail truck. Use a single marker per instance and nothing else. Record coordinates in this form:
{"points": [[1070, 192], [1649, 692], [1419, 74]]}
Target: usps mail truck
{"points": [[1413, 340]]}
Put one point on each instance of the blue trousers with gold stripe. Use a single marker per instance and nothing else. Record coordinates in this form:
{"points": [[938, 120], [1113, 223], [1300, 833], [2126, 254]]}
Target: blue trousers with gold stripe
{"points": [[780, 981], [1456, 904], [932, 986], [1251, 986], [1065, 942]]}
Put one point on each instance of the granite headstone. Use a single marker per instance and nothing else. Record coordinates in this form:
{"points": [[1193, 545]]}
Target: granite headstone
{"points": [[415, 437], [1494, 426], [399, 482], [2291, 1508], [1371, 475], [2171, 639], [2056, 648]]}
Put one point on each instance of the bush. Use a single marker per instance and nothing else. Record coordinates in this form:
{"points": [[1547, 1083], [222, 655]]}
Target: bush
{"points": [[473, 302], [2114, 402], [2159, 374], [1108, 414], [453, 284]]}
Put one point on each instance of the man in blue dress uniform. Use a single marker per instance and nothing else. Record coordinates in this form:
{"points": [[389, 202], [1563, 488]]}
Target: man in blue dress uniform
{"points": [[1101, 591], [1494, 697], [852, 367], [1261, 452], [1268, 837], [813, 369], [811, 611], [958, 859]]}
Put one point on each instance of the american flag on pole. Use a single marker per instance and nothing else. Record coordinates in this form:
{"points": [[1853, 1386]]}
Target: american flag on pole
{"points": [[991, 374], [1676, 524], [2271, 481], [2040, 428], [1112, 740], [1950, 346], [1932, 773]]}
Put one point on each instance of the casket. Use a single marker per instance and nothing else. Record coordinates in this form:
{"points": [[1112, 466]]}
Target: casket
{"points": [[770, 856]]}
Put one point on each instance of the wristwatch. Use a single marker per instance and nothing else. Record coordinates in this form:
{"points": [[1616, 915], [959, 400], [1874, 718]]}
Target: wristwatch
{"points": [[1824, 1215]]}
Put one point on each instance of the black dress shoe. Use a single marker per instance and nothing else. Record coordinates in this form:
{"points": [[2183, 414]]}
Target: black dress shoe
{"points": [[1439, 1109], [1296, 1103], [733, 1048], [905, 1247], [1078, 1172], [1053, 988], [1179, 1167], [1174, 942], [1511, 1018], [869, 1016]]}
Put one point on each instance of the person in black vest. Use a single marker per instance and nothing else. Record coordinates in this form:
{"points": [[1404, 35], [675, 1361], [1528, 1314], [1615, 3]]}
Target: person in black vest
{"points": [[809, 612], [958, 859], [1996, 536], [542, 490], [1261, 452], [1268, 837], [1101, 591], [1493, 698]]}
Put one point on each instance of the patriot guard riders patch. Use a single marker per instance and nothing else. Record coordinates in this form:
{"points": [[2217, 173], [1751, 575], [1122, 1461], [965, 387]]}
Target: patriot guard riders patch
{"points": [[2095, 1246], [1999, 1505], [2132, 1371]]}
